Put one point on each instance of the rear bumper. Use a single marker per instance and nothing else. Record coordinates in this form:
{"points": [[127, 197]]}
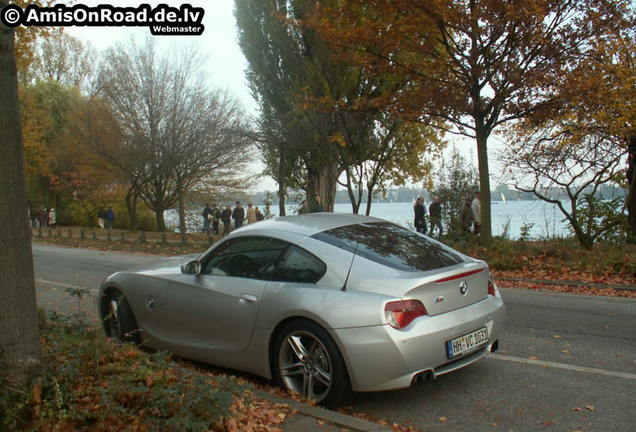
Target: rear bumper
{"points": [[383, 358]]}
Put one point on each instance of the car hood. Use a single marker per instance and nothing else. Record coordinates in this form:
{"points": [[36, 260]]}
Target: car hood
{"points": [[164, 265]]}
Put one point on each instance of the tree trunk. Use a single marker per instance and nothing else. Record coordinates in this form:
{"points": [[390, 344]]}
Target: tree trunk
{"points": [[323, 181], [19, 335], [355, 201], [161, 223], [484, 182], [182, 214], [631, 194], [131, 206], [369, 200], [282, 179]]}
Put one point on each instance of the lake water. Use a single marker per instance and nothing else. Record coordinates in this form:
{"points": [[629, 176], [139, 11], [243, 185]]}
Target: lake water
{"points": [[510, 216]]}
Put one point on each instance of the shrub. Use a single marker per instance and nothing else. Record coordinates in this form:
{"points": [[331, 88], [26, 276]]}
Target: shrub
{"points": [[90, 382]]}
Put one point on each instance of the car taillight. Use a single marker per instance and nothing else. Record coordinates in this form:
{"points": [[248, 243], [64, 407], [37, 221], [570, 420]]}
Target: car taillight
{"points": [[400, 313], [491, 286]]}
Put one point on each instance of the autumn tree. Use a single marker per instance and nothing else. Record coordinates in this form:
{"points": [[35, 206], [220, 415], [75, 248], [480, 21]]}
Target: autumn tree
{"points": [[456, 179], [27, 39], [284, 64], [319, 109], [580, 141], [64, 59], [475, 64], [19, 344], [395, 152], [175, 131]]}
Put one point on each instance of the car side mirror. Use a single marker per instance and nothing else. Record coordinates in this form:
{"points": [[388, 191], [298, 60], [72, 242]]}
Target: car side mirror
{"points": [[191, 268]]}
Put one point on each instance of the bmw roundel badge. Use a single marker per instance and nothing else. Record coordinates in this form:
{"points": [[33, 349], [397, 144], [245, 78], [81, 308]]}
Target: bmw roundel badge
{"points": [[463, 288]]}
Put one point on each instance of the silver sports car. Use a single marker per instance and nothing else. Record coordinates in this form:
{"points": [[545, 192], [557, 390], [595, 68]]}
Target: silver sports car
{"points": [[322, 303]]}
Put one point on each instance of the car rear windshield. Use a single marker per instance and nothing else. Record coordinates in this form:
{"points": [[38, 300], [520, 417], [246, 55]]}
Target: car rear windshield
{"points": [[392, 246]]}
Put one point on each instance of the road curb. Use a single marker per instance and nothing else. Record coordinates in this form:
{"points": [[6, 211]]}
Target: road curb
{"points": [[568, 283], [333, 417]]}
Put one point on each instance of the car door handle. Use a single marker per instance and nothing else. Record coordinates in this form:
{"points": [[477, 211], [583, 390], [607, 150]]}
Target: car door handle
{"points": [[247, 299]]}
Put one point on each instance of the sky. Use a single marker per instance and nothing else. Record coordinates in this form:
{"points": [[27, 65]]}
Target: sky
{"points": [[225, 61]]}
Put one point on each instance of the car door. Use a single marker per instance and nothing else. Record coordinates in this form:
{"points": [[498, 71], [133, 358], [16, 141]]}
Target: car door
{"points": [[217, 309]]}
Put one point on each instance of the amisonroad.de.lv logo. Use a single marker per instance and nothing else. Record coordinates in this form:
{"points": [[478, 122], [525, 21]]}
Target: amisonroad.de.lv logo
{"points": [[162, 20]]}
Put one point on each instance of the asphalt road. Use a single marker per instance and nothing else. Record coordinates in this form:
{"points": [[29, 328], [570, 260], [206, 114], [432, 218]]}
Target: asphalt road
{"points": [[566, 362]]}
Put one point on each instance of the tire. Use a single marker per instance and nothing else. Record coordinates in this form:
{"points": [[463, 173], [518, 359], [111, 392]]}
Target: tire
{"points": [[118, 319], [308, 361]]}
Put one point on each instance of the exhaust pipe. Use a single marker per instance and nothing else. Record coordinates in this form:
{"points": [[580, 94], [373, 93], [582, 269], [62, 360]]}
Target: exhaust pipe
{"points": [[495, 346], [423, 377]]}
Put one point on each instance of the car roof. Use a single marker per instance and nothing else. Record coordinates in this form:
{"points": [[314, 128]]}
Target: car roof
{"points": [[306, 224]]}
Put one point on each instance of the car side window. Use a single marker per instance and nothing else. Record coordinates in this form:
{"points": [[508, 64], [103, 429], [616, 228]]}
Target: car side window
{"points": [[298, 265], [251, 257]]}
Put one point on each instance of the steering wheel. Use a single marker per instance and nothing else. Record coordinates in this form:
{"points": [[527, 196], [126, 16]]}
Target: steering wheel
{"points": [[239, 265]]}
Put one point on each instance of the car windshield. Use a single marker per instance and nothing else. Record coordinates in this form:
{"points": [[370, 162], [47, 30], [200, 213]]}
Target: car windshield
{"points": [[392, 246]]}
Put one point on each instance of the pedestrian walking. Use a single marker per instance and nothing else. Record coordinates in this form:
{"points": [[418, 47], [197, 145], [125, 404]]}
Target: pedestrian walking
{"points": [[226, 218], [251, 214], [52, 218], [435, 213], [238, 214], [110, 217], [259, 216], [476, 210], [466, 215], [33, 214], [304, 208], [420, 215], [216, 218], [101, 217], [207, 218]]}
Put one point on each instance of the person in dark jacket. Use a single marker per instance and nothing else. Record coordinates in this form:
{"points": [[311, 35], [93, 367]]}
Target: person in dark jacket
{"points": [[226, 218], [420, 215], [435, 213], [238, 215], [207, 215], [317, 206], [110, 217], [216, 218], [466, 216]]}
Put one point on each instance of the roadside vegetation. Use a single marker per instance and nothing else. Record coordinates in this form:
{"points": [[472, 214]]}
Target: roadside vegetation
{"points": [[91, 383]]}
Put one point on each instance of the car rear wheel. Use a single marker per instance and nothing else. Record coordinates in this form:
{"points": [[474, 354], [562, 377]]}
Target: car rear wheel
{"points": [[308, 362], [118, 319]]}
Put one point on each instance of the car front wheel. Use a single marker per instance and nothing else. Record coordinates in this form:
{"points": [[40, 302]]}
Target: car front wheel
{"points": [[117, 317], [308, 362]]}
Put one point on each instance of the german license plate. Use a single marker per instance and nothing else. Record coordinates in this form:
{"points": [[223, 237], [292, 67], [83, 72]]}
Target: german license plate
{"points": [[467, 343]]}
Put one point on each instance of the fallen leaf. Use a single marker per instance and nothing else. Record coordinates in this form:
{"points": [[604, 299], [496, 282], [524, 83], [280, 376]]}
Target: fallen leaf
{"points": [[565, 352], [556, 336], [443, 419], [577, 408], [589, 407], [533, 358]]}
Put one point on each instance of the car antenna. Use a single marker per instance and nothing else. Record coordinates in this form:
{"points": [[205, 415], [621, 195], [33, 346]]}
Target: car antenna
{"points": [[344, 287]]}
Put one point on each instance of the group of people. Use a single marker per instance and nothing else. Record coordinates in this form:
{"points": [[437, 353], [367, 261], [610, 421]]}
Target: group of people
{"points": [[316, 206], [105, 218], [470, 216], [42, 217], [435, 211], [214, 216]]}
